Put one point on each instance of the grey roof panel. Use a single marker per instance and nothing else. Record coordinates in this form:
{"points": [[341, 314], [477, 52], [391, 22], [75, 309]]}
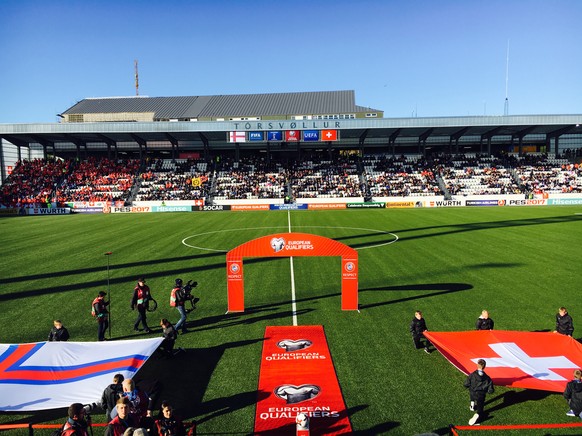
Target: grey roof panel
{"points": [[299, 103]]}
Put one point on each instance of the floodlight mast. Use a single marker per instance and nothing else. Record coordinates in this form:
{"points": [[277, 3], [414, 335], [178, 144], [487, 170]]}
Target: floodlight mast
{"points": [[506, 110], [136, 78]]}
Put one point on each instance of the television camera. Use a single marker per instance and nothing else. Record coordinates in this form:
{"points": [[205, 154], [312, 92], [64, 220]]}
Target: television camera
{"points": [[188, 294]]}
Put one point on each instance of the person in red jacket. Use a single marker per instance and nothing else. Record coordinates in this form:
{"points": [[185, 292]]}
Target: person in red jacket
{"points": [[123, 420], [141, 295], [77, 422], [99, 311], [168, 424]]}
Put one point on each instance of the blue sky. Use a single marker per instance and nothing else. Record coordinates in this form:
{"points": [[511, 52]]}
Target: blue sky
{"points": [[408, 58]]}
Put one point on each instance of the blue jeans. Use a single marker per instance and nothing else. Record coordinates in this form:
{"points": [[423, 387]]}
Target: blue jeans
{"points": [[102, 328], [182, 322]]}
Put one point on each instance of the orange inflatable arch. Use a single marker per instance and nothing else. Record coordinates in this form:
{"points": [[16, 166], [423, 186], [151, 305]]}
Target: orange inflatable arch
{"points": [[291, 245]]}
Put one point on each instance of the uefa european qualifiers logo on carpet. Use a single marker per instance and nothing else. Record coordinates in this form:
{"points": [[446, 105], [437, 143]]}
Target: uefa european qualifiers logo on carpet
{"points": [[290, 393], [279, 244], [296, 394]]}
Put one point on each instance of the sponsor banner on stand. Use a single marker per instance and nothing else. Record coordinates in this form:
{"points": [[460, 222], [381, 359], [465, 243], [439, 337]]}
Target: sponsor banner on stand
{"points": [[210, 207], [48, 211], [131, 209], [517, 359], [297, 375], [172, 208], [400, 204], [564, 201], [249, 207], [485, 202], [292, 206], [444, 203], [324, 206], [527, 202], [368, 205], [12, 211]]}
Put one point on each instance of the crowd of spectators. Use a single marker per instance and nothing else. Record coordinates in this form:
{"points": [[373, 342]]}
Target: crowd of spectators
{"points": [[250, 178], [183, 179], [339, 177], [399, 176], [41, 181], [550, 176], [99, 180], [33, 182]]}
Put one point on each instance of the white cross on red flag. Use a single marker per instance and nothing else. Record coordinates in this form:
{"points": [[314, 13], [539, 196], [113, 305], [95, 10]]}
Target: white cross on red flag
{"points": [[531, 360]]}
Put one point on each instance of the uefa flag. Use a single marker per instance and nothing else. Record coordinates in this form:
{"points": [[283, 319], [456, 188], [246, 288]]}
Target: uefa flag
{"points": [[329, 135], [49, 375], [532, 360]]}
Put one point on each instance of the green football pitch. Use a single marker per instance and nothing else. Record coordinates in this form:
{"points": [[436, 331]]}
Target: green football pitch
{"points": [[520, 263]]}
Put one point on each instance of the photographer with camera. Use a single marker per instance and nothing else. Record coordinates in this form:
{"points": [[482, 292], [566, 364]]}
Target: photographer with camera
{"points": [[141, 296], [78, 422]]}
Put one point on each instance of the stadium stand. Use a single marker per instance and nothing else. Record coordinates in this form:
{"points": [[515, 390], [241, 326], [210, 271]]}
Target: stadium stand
{"points": [[40, 181]]}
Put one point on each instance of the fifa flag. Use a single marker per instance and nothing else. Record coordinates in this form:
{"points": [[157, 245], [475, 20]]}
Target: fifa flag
{"points": [[237, 137], [49, 375], [531, 360]]}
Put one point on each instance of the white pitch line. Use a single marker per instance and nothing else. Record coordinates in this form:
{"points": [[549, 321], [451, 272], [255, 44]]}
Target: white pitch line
{"points": [[293, 302]]}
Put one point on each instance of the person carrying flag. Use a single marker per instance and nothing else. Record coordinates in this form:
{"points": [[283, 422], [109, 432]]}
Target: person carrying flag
{"points": [[564, 322], [573, 394], [479, 385], [417, 329]]}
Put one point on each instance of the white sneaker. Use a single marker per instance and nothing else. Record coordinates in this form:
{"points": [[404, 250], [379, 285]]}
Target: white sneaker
{"points": [[472, 406], [474, 419], [570, 413]]}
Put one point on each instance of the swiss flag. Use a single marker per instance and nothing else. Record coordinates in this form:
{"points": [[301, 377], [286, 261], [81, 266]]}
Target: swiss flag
{"points": [[329, 135], [533, 360]]}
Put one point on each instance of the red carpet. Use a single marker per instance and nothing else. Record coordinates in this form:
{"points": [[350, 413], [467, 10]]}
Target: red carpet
{"points": [[297, 375]]}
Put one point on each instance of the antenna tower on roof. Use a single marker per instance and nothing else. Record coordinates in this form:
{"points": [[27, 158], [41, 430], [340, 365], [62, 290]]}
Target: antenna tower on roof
{"points": [[506, 110], [136, 78]]}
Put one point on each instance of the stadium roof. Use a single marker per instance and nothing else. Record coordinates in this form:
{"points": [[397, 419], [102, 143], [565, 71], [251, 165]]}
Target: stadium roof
{"points": [[224, 106], [352, 133]]}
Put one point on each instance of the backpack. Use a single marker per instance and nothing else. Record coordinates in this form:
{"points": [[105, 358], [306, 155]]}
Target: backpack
{"points": [[93, 313]]}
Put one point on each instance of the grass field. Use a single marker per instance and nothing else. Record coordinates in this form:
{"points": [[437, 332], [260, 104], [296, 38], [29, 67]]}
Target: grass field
{"points": [[520, 263]]}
